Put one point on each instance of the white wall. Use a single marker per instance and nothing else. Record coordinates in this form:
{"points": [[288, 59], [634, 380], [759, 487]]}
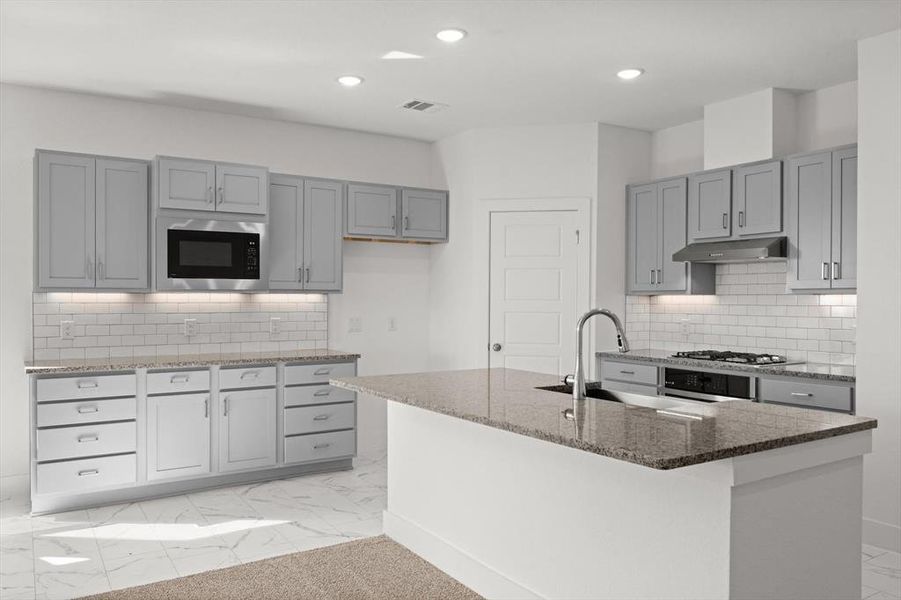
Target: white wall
{"points": [[827, 117], [31, 118], [738, 130], [677, 150], [879, 280]]}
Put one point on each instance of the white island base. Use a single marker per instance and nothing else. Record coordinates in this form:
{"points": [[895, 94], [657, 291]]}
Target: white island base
{"points": [[511, 516]]}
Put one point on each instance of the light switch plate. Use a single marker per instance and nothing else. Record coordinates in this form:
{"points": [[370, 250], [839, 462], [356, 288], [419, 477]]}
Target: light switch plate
{"points": [[67, 330], [392, 324], [190, 327], [355, 325]]}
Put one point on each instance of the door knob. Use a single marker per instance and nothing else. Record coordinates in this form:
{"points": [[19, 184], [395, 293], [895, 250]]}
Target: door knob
{"points": [[496, 347]]}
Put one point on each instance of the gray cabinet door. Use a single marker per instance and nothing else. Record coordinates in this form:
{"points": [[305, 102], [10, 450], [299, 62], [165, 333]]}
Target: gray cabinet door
{"points": [[643, 250], [710, 205], [809, 220], [843, 269], [66, 186], [371, 211], [322, 240], [241, 189], [286, 233], [424, 214], [178, 435], [186, 184], [757, 199], [672, 210], [122, 209], [247, 429]]}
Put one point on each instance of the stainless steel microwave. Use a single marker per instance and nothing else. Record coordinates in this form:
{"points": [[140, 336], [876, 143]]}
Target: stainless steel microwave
{"points": [[200, 254]]}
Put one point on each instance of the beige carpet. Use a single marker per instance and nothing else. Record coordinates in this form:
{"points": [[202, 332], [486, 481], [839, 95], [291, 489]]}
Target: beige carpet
{"points": [[373, 568]]}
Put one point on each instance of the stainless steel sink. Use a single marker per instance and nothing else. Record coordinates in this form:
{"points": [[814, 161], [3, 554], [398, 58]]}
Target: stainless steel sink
{"points": [[594, 390]]}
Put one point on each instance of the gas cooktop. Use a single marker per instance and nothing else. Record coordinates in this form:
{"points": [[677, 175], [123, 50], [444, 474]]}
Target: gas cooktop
{"points": [[746, 358]]}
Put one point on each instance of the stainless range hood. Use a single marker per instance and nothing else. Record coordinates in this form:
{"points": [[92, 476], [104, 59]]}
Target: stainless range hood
{"points": [[734, 251]]}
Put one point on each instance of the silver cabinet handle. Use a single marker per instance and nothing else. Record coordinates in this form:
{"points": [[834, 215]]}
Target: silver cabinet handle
{"points": [[825, 270], [323, 371], [394, 222], [206, 408], [86, 384], [209, 195], [741, 218], [406, 222], [803, 394], [628, 372], [308, 274], [90, 267], [99, 268], [321, 417], [659, 279], [179, 379], [321, 393], [87, 472], [652, 277], [254, 374], [725, 220], [321, 446], [836, 272], [221, 195], [90, 437], [86, 410], [225, 406]]}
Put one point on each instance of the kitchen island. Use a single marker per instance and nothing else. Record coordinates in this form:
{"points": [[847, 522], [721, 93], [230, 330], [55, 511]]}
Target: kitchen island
{"points": [[488, 481]]}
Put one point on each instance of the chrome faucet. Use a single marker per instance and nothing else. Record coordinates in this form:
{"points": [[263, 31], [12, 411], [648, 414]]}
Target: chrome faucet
{"points": [[577, 380]]}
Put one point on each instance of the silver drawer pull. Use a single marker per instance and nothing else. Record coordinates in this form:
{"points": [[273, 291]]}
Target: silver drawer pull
{"points": [[803, 394], [83, 410], [324, 371], [87, 472], [254, 374], [321, 417], [91, 437], [725, 220], [628, 372], [325, 392], [825, 270], [835, 271], [86, 384], [321, 446], [179, 379]]}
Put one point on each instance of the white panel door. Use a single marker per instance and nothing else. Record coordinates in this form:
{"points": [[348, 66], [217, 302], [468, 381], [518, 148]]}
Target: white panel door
{"points": [[285, 233], [121, 224], [178, 435], [242, 189], [533, 290], [186, 184], [247, 429], [322, 241]]}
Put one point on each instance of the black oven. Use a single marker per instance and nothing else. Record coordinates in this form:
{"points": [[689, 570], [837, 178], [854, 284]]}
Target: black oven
{"points": [[706, 386], [195, 254]]}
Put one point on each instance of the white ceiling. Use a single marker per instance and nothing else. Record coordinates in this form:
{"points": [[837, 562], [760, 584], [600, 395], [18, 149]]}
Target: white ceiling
{"points": [[522, 63]]}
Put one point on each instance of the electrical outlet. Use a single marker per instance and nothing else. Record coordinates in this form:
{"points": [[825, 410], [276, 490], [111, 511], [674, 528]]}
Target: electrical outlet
{"points": [[275, 325], [392, 324], [685, 327], [190, 327], [355, 325], [67, 330]]}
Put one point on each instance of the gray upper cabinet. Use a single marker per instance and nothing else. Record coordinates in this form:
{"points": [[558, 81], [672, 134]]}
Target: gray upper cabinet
{"points": [[424, 214], [207, 186], [822, 220], [186, 184], [121, 230], [671, 207], [92, 222], [710, 205], [643, 254], [305, 245], [757, 199], [371, 211], [66, 221]]}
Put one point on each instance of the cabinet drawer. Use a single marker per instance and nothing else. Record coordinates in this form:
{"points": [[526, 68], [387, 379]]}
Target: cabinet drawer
{"points": [[632, 388], [299, 374], [320, 446], [311, 419], [91, 411], [806, 394], [245, 377], [84, 475], [86, 386], [629, 371], [316, 394], [174, 382], [85, 440]]}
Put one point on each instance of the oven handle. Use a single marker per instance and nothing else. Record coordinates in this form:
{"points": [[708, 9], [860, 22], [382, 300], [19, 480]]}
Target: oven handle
{"points": [[686, 395]]}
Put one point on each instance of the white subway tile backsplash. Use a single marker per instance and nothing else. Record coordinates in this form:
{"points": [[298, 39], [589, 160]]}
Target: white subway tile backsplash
{"points": [[123, 325]]}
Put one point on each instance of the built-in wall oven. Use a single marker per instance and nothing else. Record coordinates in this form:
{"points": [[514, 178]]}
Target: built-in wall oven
{"points": [[201, 254], [703, 386]]}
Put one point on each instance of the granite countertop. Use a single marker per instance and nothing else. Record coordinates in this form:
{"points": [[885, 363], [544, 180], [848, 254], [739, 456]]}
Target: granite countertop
{"points": [[809, 370], [677, 435], [184, 360]]}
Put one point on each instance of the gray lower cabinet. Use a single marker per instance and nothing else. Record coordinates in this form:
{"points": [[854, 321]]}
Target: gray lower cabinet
{"points": [[92, 222], [757, 199], [178, 435], [371, 211], [710, 205], [822, 220], [209, 186], [424, 214], [247, 429], [305, 246]]}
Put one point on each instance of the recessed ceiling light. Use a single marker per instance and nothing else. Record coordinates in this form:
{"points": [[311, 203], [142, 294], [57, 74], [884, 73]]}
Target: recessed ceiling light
{"points": [[350, 80], [450, 35], [398, 55], [630, 73]]}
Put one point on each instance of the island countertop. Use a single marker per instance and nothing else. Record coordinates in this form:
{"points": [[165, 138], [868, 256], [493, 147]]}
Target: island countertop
{"points": [[677, 435], [96, 365]]}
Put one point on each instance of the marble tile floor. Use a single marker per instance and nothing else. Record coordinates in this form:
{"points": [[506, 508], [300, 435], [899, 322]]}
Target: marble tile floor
{"points": [[89, 551], [84, 552]]}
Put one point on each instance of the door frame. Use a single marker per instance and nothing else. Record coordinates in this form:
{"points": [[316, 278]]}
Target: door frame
{"points": [[585, 293]]}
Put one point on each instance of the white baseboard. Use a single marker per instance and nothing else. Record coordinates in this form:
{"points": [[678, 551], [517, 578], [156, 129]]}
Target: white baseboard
{"points": [[882, 535], [12, 486], [458, 564]]}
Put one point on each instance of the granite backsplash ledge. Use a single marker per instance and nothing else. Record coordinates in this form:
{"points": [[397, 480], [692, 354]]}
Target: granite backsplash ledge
{"points": [[751, 312]]}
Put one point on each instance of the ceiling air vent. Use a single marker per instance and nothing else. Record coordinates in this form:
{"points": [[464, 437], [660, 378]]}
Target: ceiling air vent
{"points": [[423, 106]]}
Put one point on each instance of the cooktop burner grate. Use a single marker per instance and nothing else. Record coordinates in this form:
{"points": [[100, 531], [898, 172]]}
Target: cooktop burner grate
{"points": [[733, 357]]}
